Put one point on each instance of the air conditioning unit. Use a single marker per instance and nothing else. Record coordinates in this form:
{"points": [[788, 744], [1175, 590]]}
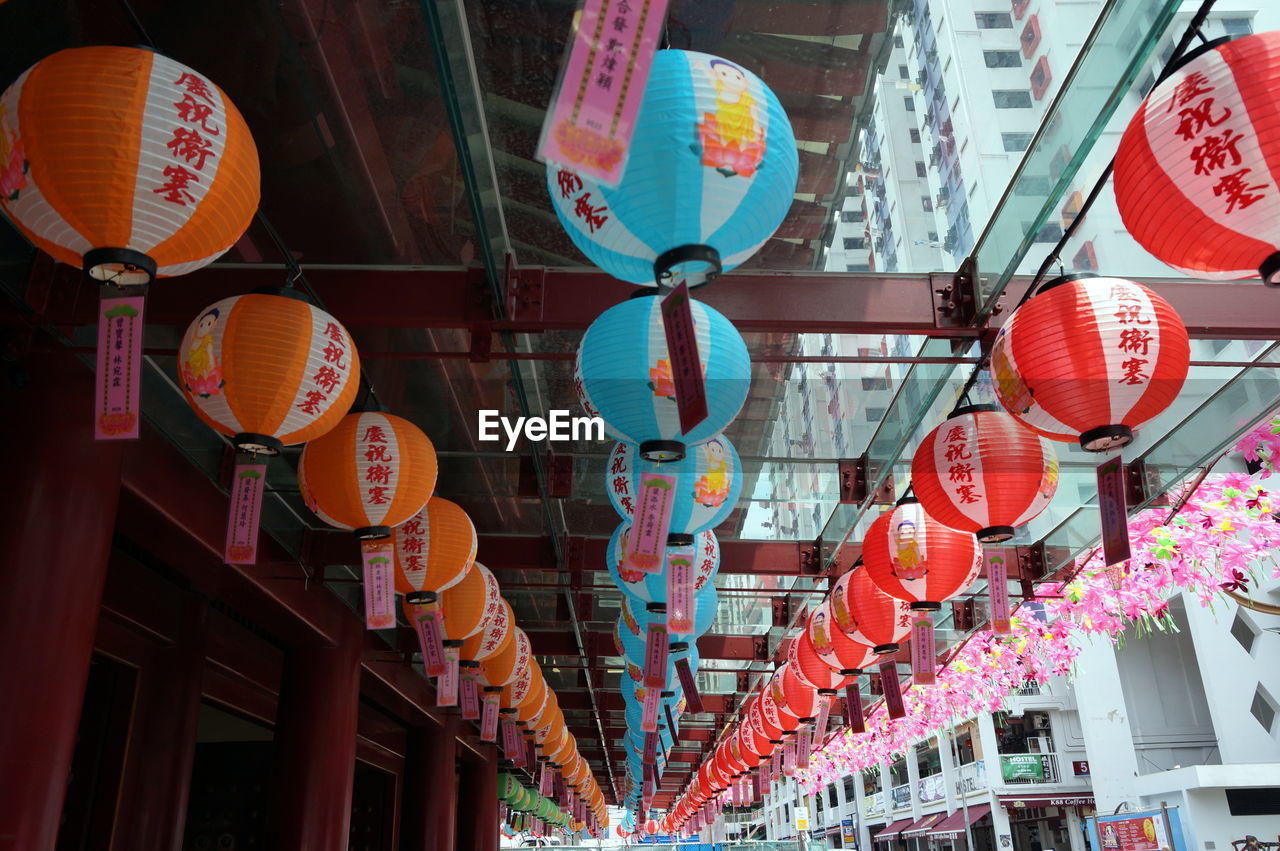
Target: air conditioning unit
{"points": [[1040, 722]]}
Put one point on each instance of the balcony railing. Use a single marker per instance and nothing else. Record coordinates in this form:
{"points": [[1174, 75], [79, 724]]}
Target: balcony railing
{"points": [[971, 778], [901, 796], [1030, 687]]}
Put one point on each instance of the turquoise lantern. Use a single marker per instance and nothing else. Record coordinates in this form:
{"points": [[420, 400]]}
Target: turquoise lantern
{"points": [[703, 549], [627, 377], [708, 482], [710, 175]]}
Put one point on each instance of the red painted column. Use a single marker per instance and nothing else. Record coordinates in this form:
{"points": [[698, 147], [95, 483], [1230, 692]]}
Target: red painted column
{"points": [[61, 490], [315, 755], [162, 747], [479, 800], [429, 807]]}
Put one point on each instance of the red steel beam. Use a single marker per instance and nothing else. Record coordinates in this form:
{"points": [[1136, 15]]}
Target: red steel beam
{"points": [[570, 299], [561, 643]]}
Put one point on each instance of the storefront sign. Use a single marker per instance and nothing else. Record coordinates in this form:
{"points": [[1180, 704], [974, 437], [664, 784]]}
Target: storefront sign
{"points": [[1048, 801], [847, 833], [802, 818], [1145, 833], [1021, 767], [900, 795]]}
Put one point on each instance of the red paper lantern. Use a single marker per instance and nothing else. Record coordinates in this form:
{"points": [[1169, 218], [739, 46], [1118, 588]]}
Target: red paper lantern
{"points": [[832, 646], [1194, 174], [868, 615], [801, 698], [809, 667], [1091, 359], [913, 557], [983, 472]]}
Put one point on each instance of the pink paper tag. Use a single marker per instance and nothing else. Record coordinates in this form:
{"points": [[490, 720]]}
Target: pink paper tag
{"points": [[593, 113], [379, 584], [427, 623], [680, 591], [470, 695], [689, 684], [765, 780], [247, 485], [824, 712], [649, 718], [489, 718], [853, 707], [923, 652], [998, 591], [686, 367], [803, 747], [1115, 515], [647, 791], [510, 742], [544, 780], [647, 541], [892, 689], [447, 683], [789, 758], [118, 382], [655, 658]]}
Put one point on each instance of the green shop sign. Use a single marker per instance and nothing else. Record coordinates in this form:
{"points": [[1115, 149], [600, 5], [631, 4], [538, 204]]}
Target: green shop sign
{"points": [[1021, 767]]}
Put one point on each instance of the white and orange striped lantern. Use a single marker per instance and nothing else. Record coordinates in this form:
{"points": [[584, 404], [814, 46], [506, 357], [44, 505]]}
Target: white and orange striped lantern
{"points": [[1196, 171], [270, 370], [1090, 359], [372, 472], [981, 471], [125, 163]]}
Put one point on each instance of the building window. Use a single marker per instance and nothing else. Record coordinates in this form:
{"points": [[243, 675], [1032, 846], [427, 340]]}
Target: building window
{"points": [[933, 236], [875, 415], [1237, 26], [1002, 58], [1243, 632], [915, 135], [1085, 260], [858, 267], [920, 170], [897, 41], [1014, 142], [1263, 709], [853, 216], [1051, 232], [854, 243], [926, 203], [1037, 185], [1012, 98], [1030, 36], [1040, 78], [909, 103], [904, 72], [994, 20]]}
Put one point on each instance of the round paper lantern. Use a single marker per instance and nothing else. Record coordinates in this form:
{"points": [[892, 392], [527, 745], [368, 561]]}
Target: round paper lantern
{"points": [[493, 637], [373, 471], [913, 557], [434, 549], [1091, 359], [505, 666], [809, 668], [652, 587], [866, 614], [710, 174], [627, 376], [125, 163], [269, 369], [466, 605], [1194, 174], [708, 481], [983, 472]]}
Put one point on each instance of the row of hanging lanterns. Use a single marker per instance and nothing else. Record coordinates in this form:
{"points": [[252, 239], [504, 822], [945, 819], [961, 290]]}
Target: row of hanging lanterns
{"points": [[711, 174]]}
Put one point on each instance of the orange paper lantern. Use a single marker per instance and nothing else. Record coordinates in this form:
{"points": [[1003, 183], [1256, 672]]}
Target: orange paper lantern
{"points": [[503, 667], [465, 606], [493, 637], [125, 163], [435, 549], [270, 369], [373, 471]]}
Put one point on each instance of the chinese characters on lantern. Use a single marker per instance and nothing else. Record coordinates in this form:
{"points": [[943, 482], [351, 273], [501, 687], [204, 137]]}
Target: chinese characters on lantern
{"points": [[619, 478], [1137, 316], [380, 471], [331, 374], [1214, 144], [411, 542], [593, 111], [959, 465], [191, 148]]}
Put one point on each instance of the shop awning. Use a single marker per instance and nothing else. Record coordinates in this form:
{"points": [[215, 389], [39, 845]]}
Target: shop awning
{"points": [[923, 824], [953, 825], [892, 830]]}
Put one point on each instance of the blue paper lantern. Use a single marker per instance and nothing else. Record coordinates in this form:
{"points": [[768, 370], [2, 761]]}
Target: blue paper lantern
{"points": [[652, 587], [631, 642], [710, 175], [626, 376], [708, 482]]}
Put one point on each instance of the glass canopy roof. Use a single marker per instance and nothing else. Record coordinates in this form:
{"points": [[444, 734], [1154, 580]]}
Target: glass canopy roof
{"points": [[401, 136]]}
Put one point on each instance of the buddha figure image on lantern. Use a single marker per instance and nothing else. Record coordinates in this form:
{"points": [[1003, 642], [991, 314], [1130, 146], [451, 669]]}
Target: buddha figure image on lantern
{"points": [[713, 485], [13, 163], [907, 559], [1012, 390], [732, 137], [201, 371], [821, 641]]}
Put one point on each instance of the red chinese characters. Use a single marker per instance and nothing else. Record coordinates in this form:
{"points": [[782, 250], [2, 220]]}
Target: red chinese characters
{"points": [[190, 147], [331, 375]]}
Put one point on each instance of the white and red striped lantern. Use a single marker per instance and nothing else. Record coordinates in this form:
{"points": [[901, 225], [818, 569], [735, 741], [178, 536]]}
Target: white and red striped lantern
{"points": [[1196, 171], [1090, 359], [981, 471]]}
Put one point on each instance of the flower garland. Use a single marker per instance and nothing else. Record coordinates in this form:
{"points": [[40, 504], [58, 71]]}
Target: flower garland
{"points": [[1262, 445], [1222, 536]]}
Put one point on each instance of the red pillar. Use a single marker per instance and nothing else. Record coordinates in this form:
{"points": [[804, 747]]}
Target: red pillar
{"points": [[429, 808], [55, 536], [162, 747], [315, 754], [479, 800]]}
